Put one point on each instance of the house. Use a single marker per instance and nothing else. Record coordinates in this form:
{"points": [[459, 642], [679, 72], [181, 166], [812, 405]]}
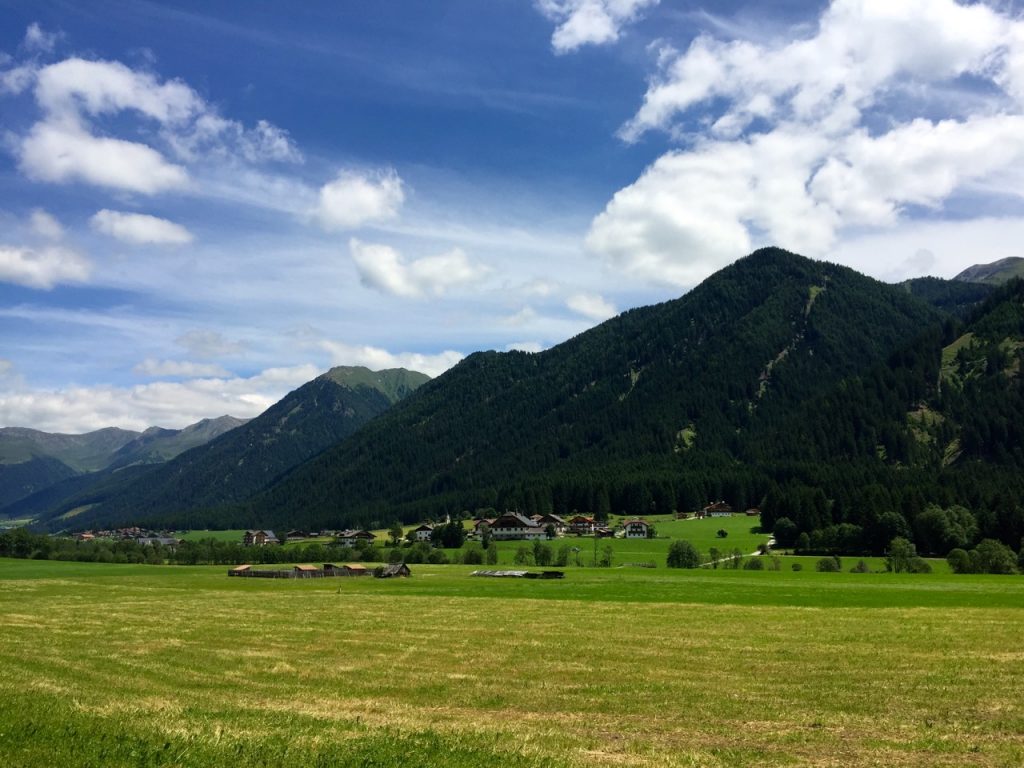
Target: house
{"points": [[636, 529], [296, 535], [603, 532], [259, 538], [718, 509], [151, 541], [753, 512], [392, 570], [422, 532], [86, 536], [555, 521], [513, 525], [239, 570], [581, 525], [351, 538], [307, 571]]}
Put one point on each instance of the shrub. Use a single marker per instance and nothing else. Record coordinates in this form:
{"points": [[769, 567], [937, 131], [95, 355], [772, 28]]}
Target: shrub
{"points": [[682, 554], [437, 557], [959, 561], [395, 556], [828, 565], [754, 564], [919, 565], [803, 542], [991, 556], [797, 566], [722, 533], [473, 556], [860, 567]]}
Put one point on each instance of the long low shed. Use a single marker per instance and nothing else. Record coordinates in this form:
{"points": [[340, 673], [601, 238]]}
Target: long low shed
{"points": [[329, 570]]}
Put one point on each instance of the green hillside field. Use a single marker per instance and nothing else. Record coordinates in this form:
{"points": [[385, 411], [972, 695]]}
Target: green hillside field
{"points": [[121, 665]]}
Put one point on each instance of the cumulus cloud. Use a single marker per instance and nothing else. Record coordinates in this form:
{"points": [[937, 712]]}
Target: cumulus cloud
{"points": [[377, 359], [589, 22], [383, 269], [59, 153], [356, 198], [179, 369], [78, 98], [45, 225], [802, 140], [139, 228], [207, 345], [591, 305], [165, 404], [42, 267]]}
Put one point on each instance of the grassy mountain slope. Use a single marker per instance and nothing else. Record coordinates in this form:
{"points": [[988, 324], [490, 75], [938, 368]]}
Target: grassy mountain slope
{"points": [[157, 445], [83, 453], [995, 273], [648, 392], [243, 461]]}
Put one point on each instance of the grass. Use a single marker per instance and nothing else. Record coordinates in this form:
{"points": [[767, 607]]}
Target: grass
{"points": [[701, 533], [230, 535], [175, 666]]}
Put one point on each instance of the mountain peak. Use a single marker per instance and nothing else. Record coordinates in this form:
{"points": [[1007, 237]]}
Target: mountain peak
{"points": [[995, 272]]}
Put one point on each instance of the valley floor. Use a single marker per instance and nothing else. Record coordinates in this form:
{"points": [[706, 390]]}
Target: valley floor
{"points": [[118, 665]]}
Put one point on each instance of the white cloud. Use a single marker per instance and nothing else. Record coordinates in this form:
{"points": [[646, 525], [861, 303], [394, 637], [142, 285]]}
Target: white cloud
{"points": [[179, 369], [802, 141], [74, 87], [38, 40], [354, 199], [525, 316], [377, 359], [42, 267], [589, 22], [45, 225], [859, 48], [207, 345], [57, 152], [591, 305], [16, 79], [77, 98], [383, 269], [139, 228], [165, 404], [213, 136]]}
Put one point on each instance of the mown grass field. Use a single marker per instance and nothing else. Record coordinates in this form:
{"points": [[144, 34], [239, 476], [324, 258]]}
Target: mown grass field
{"points": [[120, 665]]}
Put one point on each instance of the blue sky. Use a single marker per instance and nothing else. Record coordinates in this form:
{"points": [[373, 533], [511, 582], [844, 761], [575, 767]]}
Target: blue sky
{"points": [[204, 205]]}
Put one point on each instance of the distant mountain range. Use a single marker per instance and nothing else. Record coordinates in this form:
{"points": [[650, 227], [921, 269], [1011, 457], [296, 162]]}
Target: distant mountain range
{"points": [[31, 461], [844, 404], [229, 466]]}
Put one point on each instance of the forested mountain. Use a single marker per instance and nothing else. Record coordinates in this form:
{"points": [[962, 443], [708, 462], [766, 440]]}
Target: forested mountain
{"points": [[32, 461], [245, 460], [650, 411], [854, 409]]}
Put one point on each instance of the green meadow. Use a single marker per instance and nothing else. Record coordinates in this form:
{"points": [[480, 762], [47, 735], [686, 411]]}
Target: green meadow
{"points": [[123, 665]]}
